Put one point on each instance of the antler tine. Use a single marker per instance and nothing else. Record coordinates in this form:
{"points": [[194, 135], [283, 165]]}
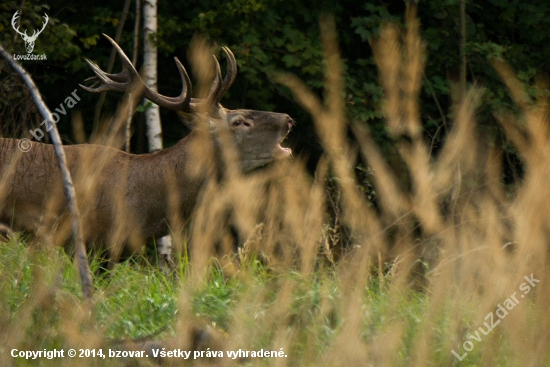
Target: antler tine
{"points": [[128, 70], [216, 84], [210, 99], [219, 87], [184, 77], [229, 76], [179, 103], [13, 21], [44, 24], [106, 83], [186, 91], [120, 82], [115, 82]]}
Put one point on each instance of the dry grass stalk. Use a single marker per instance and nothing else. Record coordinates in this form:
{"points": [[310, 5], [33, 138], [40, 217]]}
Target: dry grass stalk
{"points": [[457, 199]]}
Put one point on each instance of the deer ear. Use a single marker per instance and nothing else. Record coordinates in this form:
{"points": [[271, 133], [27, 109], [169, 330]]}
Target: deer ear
{"points": [[193, 121]]}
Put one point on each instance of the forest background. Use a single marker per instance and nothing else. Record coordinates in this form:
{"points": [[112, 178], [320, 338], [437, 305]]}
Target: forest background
{"points": [[274, 35]]}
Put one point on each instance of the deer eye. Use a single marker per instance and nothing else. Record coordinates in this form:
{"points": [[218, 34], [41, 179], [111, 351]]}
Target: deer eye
{"points": [[240, 122]]}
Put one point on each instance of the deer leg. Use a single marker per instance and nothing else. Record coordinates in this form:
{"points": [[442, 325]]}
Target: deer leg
{"points": [[164, 249], [6, 233]]}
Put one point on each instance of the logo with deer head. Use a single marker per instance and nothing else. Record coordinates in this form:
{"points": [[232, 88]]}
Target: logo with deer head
{"points": [[29, 40]]}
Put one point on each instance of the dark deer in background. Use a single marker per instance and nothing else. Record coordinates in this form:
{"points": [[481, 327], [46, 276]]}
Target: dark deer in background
{"points": [[129, 199], [29, 40]]}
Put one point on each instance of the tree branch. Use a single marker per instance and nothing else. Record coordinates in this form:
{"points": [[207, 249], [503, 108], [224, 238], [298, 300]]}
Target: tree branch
{"points": [[80, 250]]}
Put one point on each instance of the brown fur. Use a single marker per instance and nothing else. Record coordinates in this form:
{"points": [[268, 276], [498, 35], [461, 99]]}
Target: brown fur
{"points": [[127, 198]]}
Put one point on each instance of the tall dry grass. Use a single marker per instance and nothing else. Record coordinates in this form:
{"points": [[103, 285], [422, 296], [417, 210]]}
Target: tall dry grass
{"points": [[406, 299]]}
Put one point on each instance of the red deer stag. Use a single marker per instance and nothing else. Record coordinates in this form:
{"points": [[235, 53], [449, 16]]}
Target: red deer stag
{"points": [[129, 198]]}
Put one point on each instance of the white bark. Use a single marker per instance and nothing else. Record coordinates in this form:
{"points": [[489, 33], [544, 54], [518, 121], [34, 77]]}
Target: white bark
{"points": [[152, 116]]}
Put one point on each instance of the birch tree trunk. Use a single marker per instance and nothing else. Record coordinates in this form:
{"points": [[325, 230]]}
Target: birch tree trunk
{"points": [[152, 116]]}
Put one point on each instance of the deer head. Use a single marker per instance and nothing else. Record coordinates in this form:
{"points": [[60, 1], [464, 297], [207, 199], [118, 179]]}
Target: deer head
{"points": [[256, 135], [29, 40], [129, 198]]}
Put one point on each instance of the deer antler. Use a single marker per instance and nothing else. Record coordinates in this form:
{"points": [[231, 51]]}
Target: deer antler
{"points": [[35, 34], [229, 77], [218, 89], [13, 20], [121, 81]]}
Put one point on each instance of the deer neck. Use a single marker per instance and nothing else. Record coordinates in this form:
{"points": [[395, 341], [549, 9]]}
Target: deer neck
{"points": [[178, 173]]}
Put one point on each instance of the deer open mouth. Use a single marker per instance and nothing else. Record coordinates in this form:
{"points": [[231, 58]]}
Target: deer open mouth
{"points": [[282, 152]]}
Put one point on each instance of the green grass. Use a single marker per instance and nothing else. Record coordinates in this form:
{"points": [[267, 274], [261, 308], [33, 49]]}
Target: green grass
{"points": [[41, 308]]}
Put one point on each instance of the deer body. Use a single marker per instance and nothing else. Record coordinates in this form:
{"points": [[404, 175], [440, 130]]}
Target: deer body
{"points": [[125, 199], [132, 179]]}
